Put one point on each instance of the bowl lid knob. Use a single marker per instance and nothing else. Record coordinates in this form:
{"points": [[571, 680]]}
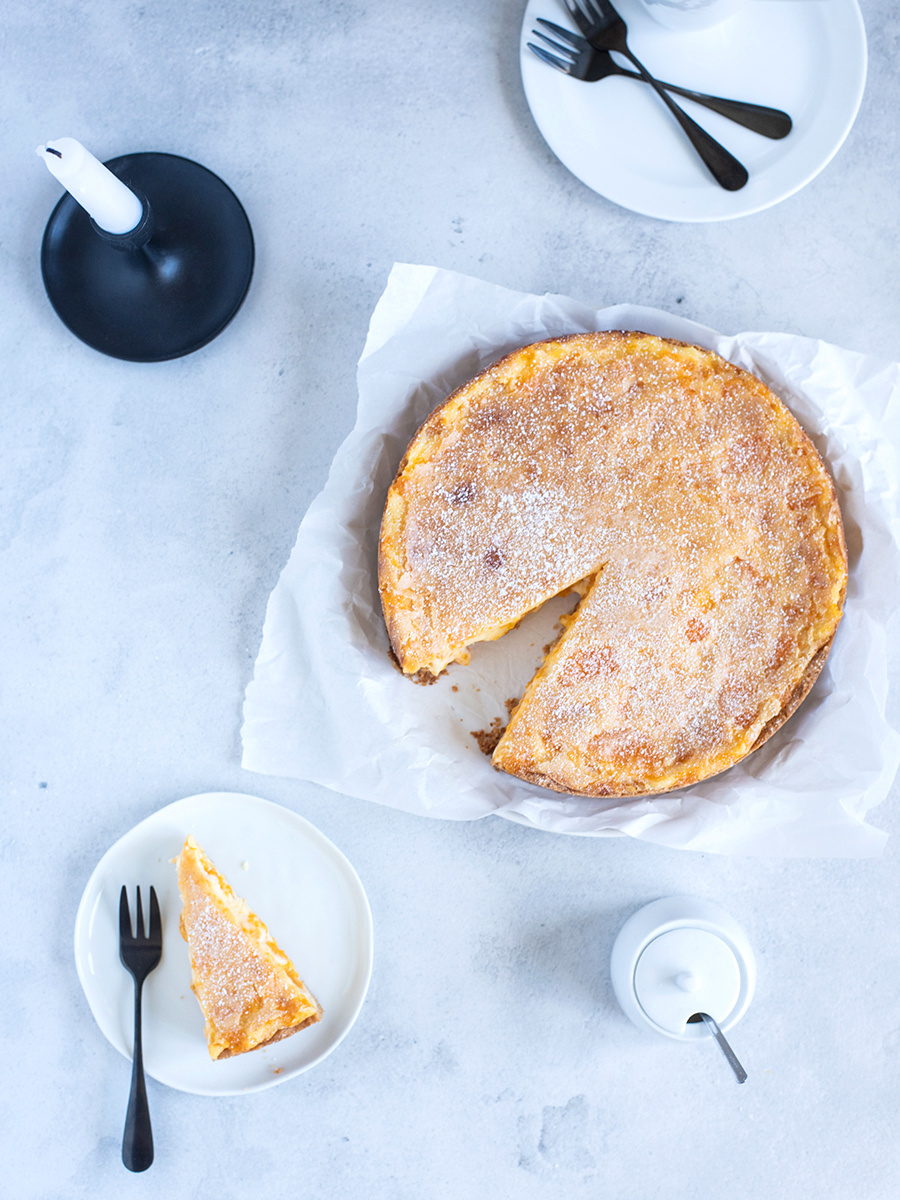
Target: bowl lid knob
{"points": [[685, 972]]}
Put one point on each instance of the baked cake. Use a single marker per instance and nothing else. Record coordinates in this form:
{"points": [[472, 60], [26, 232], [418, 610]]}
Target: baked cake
{"points": [[248, 988], [686, 505]]}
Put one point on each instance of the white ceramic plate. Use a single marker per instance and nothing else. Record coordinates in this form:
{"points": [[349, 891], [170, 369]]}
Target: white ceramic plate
{"points": [[807, 57], [296, 881]]}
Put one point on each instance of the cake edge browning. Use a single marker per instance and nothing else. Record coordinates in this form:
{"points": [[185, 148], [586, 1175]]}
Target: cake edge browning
{"points": [[801, 690], [276, 1037]]}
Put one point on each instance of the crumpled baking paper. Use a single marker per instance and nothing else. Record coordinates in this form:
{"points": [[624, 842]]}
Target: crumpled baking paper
{"points": [[326, 704]]}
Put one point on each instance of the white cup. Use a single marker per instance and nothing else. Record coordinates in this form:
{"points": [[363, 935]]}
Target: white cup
{"points": [[685, 15]]}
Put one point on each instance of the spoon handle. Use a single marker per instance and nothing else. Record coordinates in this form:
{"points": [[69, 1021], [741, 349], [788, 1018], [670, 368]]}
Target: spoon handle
{"points": [[739, 1073]]}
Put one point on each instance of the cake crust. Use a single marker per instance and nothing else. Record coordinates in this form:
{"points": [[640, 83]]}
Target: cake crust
{"points": [[685, 501]]}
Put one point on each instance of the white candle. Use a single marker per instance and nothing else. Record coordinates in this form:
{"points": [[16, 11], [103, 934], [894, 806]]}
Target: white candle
{"points": [[113, 206]]}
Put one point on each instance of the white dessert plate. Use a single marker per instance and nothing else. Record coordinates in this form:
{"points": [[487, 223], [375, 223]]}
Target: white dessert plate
{"points": [[291, 876], [807, 57]]}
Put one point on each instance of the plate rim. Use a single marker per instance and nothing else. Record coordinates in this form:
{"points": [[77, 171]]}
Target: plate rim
{"points": [[852, 10], [357, 891]]}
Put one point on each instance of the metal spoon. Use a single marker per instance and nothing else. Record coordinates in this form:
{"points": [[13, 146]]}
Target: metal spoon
{"points": [[739, 1073]]}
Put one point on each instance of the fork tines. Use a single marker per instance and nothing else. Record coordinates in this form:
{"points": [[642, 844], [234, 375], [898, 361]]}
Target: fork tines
{"points": [[155, 929], [561, 64], [598, 11], [575, 40]]}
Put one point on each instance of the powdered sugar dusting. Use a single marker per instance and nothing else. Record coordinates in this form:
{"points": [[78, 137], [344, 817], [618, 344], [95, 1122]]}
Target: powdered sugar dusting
{"points": [[691, 490], [231, 978]]}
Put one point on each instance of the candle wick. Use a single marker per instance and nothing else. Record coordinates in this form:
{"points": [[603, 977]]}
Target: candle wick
{"points": [[50, 150]]}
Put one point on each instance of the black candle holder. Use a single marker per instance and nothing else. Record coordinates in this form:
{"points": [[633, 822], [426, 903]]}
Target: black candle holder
{"points": [[170, 285]]}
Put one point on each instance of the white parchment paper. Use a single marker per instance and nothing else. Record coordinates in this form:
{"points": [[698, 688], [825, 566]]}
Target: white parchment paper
{"points": [[325, 703]]}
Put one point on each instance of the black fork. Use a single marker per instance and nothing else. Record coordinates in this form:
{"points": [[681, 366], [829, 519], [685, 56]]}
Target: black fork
{"points": [[139, 953], [579, 57], [609, 32]]}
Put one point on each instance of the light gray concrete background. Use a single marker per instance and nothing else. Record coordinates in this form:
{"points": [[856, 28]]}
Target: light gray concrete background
{"points": [[145, 513]]}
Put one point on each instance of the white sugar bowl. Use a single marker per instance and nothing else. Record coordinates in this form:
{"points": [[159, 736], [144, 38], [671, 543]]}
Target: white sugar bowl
{"points": [[677, 958]]}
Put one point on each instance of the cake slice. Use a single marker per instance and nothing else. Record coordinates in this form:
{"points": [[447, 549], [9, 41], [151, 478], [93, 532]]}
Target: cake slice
{"points": [[248, 988]]}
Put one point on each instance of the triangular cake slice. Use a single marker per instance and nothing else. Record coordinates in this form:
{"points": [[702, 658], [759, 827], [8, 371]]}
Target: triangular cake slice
{"points": [[248, 988]]}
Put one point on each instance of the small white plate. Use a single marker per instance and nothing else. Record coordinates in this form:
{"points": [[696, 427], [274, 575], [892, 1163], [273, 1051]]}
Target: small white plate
{"points": [[807, 57], [295, 880]]}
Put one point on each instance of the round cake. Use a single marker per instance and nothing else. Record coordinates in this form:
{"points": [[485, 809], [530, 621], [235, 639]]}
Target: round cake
{"points": [[686, 505]]}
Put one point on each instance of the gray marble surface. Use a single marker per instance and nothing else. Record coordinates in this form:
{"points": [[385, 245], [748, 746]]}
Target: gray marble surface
{"points": [[145, 513]]}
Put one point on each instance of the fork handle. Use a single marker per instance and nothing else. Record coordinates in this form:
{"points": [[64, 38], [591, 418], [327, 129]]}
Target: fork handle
{"points": [[724, 167], [770, 122], [137, 1141]]}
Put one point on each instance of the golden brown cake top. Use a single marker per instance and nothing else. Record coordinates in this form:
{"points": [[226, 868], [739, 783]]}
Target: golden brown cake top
{"points": [[248, 988], [689, 493]]}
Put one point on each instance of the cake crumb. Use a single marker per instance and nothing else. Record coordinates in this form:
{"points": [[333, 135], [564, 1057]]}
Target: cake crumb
{"points": [[510, 705], [455, 688], [487, 739], [424, 677]]}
